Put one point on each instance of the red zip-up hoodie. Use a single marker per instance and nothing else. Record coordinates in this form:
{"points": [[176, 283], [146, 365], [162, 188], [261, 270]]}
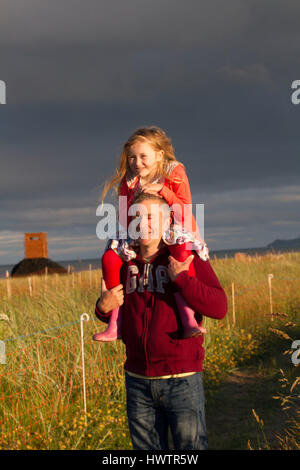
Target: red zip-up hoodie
{"points": [[151, 327]]}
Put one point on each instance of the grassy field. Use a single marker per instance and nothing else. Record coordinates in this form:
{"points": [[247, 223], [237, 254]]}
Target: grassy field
{"points": [[247, 364]]}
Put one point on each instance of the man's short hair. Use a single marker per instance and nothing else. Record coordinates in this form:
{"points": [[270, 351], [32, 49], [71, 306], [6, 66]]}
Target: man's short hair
{"points": [[141, 197]]}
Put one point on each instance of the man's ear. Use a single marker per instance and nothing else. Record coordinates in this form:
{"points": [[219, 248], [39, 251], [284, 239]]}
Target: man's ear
{"points": [[167, 223]]}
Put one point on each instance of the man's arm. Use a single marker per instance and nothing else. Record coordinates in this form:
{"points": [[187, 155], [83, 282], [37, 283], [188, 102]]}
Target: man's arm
{"points": [[203, 293], [109, 300], [99, 314]]}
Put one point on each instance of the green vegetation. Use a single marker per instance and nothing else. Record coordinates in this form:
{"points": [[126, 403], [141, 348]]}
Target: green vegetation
{"points": [[41, 383]]}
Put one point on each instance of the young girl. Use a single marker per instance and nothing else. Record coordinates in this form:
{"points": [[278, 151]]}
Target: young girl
{"points": [[148, 164]]}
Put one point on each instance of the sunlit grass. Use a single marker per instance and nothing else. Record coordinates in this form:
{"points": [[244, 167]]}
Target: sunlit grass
{"points": [[41, 398]]}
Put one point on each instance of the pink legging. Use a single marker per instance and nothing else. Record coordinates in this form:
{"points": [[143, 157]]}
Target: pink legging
{"points": [[112, 263]]}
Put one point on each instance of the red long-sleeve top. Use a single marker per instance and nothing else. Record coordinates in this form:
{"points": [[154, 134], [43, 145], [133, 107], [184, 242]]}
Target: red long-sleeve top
{"points": [[175, 190]]}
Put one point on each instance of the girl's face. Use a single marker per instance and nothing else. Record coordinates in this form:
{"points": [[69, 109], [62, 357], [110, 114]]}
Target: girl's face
{"points": [[143, 159]]}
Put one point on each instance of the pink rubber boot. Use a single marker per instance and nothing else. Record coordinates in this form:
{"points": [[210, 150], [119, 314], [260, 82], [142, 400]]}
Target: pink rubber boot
{"points": [[187, 316], [113, 331]]}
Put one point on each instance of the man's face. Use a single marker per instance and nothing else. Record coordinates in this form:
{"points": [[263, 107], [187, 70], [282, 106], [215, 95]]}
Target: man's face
{"points": [[151, 222]]}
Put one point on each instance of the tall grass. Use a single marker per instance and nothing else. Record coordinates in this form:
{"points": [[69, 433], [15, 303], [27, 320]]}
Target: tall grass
{"points": [[41, 401]]}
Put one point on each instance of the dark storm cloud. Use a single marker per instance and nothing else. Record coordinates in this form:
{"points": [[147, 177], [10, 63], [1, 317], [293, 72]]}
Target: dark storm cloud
{"points": [[121, 51], [82, 76], [62, 147]]}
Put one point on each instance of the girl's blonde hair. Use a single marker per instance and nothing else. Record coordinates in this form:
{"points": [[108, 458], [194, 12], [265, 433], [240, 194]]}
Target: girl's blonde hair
{"points": [[155, 137]]}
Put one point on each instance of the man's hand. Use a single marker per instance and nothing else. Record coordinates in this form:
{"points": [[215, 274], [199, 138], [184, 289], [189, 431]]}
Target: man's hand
{"points": [[110, 298], [176, 267]]}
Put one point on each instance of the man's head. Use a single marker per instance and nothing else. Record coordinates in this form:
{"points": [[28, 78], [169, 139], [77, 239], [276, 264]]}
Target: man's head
{"points": [[150, 217]]}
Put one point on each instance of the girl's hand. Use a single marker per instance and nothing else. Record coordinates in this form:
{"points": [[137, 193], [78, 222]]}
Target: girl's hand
{"points": [[152, 188]]}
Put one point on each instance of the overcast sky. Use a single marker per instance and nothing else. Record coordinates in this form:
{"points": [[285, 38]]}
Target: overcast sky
{"points": [[81, 76]]}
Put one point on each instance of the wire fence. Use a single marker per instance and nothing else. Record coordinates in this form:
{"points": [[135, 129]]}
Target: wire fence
{"points": [[49, 375], [45, 381], [34, 284]]}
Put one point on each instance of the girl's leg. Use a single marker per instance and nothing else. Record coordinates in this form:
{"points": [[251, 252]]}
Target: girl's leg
{"points": [[187, 315], [111, 265]]}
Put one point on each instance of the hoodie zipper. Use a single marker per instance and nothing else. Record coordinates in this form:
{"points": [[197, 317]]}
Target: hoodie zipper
{"points": [[146, 314], [149, 305]]}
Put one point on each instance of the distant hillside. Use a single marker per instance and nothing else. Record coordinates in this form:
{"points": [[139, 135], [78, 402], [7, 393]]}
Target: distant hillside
{"points": [[274, 247], [277, 246], [285, 244]]}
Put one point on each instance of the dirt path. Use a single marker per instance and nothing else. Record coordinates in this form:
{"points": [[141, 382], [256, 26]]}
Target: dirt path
{"points": [[229, 418]]}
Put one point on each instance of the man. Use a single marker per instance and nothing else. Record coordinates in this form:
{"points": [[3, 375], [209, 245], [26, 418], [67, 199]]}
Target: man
{"points": [[163, 371]]}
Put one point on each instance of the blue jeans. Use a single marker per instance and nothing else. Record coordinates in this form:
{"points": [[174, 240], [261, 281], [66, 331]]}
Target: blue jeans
{"points": [[155, 405]]}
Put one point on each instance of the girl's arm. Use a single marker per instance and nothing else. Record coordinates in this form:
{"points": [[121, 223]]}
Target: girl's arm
{"points": [[124, 188], [125, 191], [176, 190]]}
